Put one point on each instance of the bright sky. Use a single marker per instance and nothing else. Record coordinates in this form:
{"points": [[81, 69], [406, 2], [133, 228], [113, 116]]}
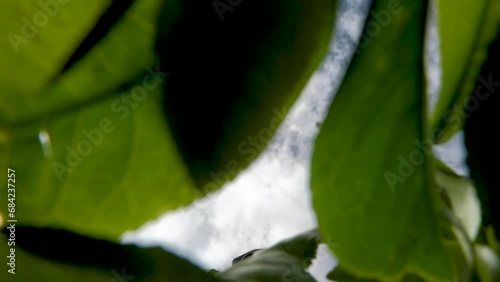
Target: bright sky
{"points": [[271, 201]]}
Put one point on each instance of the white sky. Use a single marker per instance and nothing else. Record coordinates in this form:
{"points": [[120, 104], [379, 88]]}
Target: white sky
{"points": [[270, 201]]}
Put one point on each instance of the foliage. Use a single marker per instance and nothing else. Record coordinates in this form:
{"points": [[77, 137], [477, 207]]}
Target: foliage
{"points": [[114, 112], [367, 165]]}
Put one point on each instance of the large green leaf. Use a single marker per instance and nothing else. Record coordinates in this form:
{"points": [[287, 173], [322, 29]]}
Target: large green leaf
{"points": [[285, 261], [372, 177], [29, 82], [48, 255], [466, 28], [122, 176], [237, 66], [101, 170]]}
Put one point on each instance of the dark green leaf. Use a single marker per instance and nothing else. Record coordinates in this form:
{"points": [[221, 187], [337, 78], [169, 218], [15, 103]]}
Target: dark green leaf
{"points": [[372, 175], [237, 67], [56, 255]]}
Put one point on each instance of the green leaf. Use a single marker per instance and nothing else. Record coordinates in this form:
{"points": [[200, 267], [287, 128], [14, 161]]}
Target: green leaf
{"points": [[236, 68], [463, 46], [372, 174], [102, 170], [29, 92], [286, 261], [71, 172], [56, 255]]}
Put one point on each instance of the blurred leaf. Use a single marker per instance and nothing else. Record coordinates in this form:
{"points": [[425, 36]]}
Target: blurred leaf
{"points": [[464, 46], [28, 90], [488, 264], [464, 201], [481, 138], [286, 261], [236, 68], [56, 255], [464, 212], [99, 171], [87, 159], [33, 52], [372, 177]]}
